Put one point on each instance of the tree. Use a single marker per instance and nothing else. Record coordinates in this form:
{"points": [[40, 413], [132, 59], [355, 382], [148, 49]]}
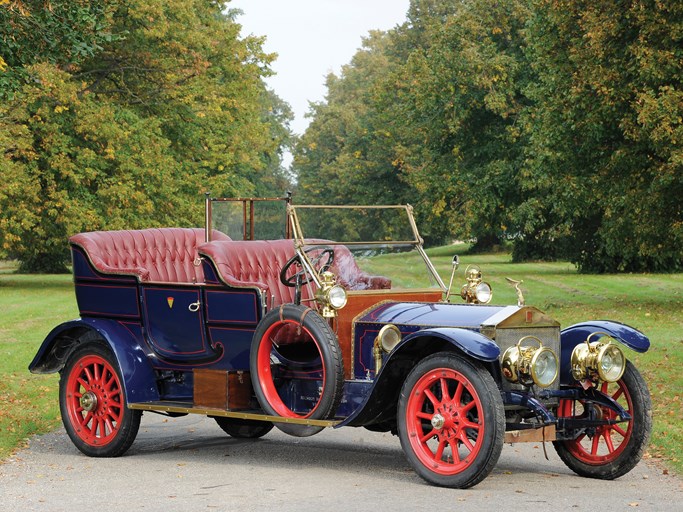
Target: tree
{"points": [[73, 163], [347, 154], [604, 160], [427, 113], [64, 33], [463, 95], [132, 135]]}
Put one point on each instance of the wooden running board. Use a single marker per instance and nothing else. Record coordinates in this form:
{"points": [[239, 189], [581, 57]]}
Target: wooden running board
{"points": [[187, 408]]}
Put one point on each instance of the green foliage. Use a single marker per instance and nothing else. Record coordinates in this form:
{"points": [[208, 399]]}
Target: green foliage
{"points": [[426, 114], [604, 163], [344, 149], [553, 123], [130, 133], [63, 32], [74, 163]]}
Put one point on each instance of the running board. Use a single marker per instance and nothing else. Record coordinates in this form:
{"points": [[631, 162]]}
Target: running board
{"points": [[183, 408]]}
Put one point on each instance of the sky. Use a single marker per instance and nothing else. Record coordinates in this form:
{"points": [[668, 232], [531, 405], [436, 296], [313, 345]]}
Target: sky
{"points": [[313, 38]]}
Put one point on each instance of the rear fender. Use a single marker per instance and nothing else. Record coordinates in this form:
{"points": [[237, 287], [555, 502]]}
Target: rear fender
{"points": [[380, 402], [139, 380], [578, 333]]}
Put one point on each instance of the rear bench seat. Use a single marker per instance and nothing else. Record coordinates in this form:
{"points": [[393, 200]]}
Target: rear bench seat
{"points": [[257, 264], [152, 255]]}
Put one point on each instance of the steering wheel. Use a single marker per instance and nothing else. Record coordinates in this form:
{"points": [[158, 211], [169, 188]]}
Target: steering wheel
{"points": [[300, 277]]}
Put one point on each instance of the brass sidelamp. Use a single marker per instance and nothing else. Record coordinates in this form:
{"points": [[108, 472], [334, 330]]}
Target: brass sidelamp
{"points": [[598, 360], [330, 295], [475, 291]]}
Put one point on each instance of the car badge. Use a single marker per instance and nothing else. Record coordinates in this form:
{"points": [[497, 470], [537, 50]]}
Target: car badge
{"points": [[170, 302]]}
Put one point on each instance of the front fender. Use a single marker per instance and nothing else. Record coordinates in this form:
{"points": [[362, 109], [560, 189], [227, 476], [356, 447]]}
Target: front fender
{"points": [[138, 376], [578, 333], [380, 402], [472, 343]]}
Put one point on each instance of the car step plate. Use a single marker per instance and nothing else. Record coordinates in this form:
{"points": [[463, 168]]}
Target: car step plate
{"points": [[186, 408]]}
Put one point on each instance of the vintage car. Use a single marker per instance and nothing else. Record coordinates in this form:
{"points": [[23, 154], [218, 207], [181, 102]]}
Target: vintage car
{"points": [[272, 315]]}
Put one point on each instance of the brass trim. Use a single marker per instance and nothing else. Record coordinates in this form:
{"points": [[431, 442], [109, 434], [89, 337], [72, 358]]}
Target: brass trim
{"points": [[382, 332], [393, 291], [518, 319], [208, 217], [417, 242], [207, 411], [255, 199], [351, 206], [431, 268]]}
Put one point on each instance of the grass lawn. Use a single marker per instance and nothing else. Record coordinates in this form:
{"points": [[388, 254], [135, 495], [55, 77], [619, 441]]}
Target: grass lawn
{"points": [[30, 306]]}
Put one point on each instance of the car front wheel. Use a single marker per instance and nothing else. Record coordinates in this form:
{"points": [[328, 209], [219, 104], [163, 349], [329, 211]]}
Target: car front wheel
{"points": [[451, 421], [609, 451], [93, 403]]}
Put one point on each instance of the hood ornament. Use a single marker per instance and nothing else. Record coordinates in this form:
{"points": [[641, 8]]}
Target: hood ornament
{"points": [[520, 295]]}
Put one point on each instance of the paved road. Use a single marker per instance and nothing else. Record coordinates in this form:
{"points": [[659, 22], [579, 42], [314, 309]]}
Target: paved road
{"points": [[188, 464]]}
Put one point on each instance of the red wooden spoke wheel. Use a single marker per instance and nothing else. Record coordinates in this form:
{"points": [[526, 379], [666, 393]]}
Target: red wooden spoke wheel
{"points": [[93, 404], [606, 442], [610, 450], [451, 421], [444, 420]]}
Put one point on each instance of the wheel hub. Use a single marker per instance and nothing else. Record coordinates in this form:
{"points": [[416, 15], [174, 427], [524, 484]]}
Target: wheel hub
{"points": [[89, 401], [438, 421]]}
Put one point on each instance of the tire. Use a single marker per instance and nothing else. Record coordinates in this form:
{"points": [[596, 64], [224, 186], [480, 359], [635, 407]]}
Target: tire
{"points": [[451, 421], [93, 405], [609, 451], [293, 345], [243, 429]]}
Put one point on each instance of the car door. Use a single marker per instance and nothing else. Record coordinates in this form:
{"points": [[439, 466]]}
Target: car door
{"points": [[174, 322]]}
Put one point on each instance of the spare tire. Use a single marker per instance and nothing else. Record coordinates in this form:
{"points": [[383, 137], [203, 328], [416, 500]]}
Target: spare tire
{"points": [[296, 367]]}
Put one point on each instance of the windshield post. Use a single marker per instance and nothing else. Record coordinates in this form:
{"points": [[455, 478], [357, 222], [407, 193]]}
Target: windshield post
{"points": [[418, 246], [299, 243], [207, 217]]}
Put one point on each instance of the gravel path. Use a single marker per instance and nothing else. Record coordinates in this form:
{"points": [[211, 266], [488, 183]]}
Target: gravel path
{"points": [[188, 464]]}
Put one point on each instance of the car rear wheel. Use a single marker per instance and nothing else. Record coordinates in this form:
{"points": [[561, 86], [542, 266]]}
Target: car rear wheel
{"points": [[243, 429], [451, 421], [93, 404], [611, 450], [296, 367]]}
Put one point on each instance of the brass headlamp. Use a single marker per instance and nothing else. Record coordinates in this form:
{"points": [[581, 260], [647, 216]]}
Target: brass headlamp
{"points": [[529, 365], [476, 291], [598, 360], [388, 337], [330, 295]]}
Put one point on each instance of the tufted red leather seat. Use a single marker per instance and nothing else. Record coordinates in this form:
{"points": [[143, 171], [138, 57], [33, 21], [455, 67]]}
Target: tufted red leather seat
{"points": [[158, 255], [352, 277], [257, 264], [253, 264]]}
